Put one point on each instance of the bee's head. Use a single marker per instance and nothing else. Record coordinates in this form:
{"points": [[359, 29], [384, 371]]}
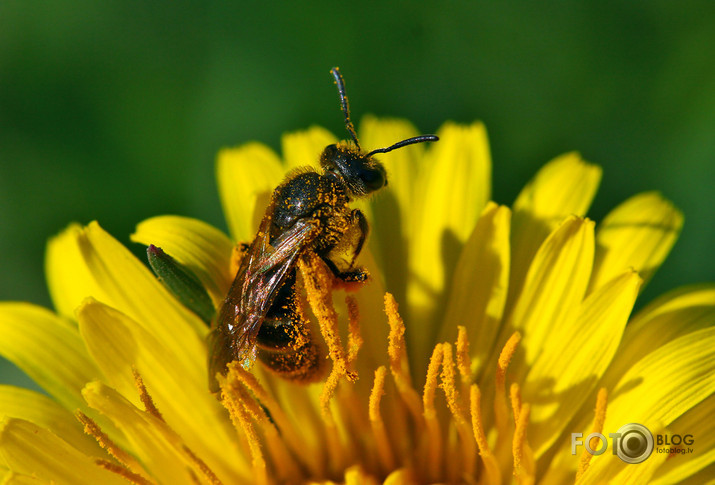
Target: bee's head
{"points": [[361, 173]]}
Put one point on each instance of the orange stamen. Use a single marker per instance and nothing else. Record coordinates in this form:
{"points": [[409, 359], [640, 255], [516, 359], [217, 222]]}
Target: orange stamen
{"points": [[382, 442], [288, 433], [318, 285], [516, 406], [500, 407], [126, 474], [515, 396], [92, 428], [598, 420], [283, 461], [434, 436], [329, 388], [399, 366], [523, 472], [145, 397], [464, 362], [456, 407], [491, 467], [241, 420], [396, 341], [204, 469], [355, 339], [335, 448]]}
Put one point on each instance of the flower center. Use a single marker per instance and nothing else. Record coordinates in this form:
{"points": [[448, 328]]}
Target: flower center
{"points": [[424, 437], [342, 430]]}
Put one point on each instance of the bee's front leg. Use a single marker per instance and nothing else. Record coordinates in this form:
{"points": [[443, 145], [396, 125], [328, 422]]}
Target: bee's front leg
{"points": [[341, 257]]}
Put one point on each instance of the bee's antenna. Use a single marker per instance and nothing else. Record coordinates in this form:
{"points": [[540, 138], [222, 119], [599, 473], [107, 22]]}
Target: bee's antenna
{"points": [[404, 143], [344, 104]]}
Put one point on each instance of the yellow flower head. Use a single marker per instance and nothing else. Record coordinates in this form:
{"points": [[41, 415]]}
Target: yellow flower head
{"points": [[512, 333]]}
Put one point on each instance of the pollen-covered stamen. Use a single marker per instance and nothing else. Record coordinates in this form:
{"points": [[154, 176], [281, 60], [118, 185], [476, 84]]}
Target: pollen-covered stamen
{"points": [[289, 435], [283, 462], [194, 461], [523, 464], [382, 442], [355, 339], [92, 429], [515, 397], [332, 434], [598, 420], [199, 465], [527, 456], [457, 408], [492, 474], [241, 419], [126, 474], [318, 285], [500, 406], [434, 436], [399, 366], [146, 399], [464, 361]]}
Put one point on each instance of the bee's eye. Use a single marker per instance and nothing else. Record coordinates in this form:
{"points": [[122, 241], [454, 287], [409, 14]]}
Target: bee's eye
{"points": [[374, 179], [328, 157]]}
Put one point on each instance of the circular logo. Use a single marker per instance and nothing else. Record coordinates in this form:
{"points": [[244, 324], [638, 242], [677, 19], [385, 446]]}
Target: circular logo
{"points": [[635, 443]]}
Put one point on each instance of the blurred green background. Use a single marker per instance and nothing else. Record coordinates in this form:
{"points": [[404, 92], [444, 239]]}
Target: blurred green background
{"points": [[114, 110]]}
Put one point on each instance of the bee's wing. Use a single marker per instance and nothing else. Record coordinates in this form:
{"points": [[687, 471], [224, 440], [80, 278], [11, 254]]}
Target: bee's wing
{"points": [[262, 272]]}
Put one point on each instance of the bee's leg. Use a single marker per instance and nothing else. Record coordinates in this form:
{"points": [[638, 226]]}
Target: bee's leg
{"points": [[359, 222], [341, 259], [357, 275]]}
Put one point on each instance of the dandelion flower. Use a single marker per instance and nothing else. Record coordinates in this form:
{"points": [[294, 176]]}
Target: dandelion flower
{"points": [[485, 338]]}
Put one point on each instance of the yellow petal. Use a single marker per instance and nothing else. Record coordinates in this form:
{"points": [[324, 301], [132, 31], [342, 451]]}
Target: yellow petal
{"points": [[391, 207], [402, 165], [202, 248], [37, 408], [668, 318], [639, 234], [159, 448], [246, 174], [574, 356], [179, 388], [67, 275], [480, 284], [698, 297], [698, 423], [564, 186], [122, 282], [31, 450], [48, 349], [372, 353], [555, 285], [303, 148], [608, 468], [704, 476], [666, 383], [12, 478], [452, 189]]}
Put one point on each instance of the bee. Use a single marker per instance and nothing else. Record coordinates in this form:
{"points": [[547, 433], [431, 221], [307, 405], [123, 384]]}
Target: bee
{"points": [[309, 211]]}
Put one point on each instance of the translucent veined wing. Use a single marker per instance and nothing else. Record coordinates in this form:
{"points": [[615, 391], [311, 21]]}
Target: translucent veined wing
{"points": [[261, 274]]}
